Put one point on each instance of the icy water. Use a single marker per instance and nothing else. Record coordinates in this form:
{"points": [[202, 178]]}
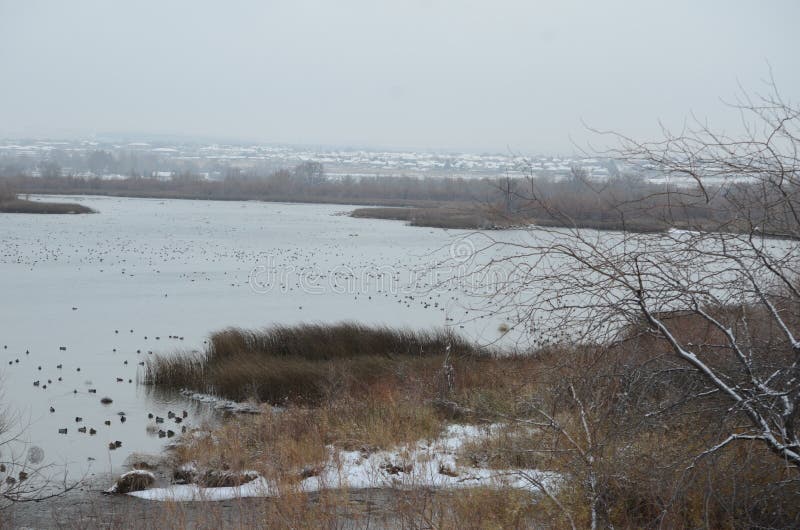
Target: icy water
{"points": [[87, 298]]}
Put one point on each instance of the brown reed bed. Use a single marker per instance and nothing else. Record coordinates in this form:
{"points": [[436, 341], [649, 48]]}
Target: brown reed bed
{"points": [[305, 363]]}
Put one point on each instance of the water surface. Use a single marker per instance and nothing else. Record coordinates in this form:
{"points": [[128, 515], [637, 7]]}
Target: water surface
{"points": [[87, 298]]}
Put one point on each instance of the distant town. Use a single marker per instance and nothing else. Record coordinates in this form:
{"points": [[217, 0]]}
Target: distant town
{"points": [[107, 159]]}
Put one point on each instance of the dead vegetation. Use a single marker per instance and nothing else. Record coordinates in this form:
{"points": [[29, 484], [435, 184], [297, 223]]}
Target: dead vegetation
{"points": [[465, 217], [308, 363], [623, 202], [619, 422]]}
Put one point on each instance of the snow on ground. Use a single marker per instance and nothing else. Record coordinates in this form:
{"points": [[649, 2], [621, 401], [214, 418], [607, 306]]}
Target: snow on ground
{"points": [[424, 464], [192, 492]]}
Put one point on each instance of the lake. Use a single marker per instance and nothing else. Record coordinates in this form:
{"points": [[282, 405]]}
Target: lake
{"points": [[87, 298]]}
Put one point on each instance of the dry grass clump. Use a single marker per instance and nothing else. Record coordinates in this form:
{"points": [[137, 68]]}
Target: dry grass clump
{"points": [[308, 363], [509, 448], [337, 341], [178, 370]]}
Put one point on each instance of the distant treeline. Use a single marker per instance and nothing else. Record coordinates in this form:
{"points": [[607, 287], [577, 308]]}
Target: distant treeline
{"points": [[625, 202], [304, 183]]}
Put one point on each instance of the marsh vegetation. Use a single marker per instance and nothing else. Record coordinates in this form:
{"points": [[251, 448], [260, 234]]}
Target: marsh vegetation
{"points": [[307, 363], [11, 203], [626, 202], [353, 388]]}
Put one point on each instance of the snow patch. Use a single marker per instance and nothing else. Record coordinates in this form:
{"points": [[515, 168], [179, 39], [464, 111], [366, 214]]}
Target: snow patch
{"points": [[425, 464], [192, 492]]}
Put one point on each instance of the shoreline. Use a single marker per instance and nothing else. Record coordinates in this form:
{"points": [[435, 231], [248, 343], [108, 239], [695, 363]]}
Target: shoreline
{"points": [[47, 208]]}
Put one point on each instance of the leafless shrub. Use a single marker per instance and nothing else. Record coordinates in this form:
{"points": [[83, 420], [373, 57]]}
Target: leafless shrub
{"points": [[709, 314]]}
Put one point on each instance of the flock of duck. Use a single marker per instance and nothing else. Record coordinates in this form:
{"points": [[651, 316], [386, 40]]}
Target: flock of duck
{"points": [[160, 426]]}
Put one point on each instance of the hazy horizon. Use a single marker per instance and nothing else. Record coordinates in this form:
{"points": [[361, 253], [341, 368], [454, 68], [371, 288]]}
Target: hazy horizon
{"points": [[427, 75]]}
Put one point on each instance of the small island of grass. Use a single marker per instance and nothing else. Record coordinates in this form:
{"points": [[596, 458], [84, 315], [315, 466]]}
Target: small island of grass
{"points": [[11, 203]]}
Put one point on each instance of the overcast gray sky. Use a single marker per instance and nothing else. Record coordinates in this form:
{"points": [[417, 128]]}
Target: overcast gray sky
{"points": [[438, 74]]}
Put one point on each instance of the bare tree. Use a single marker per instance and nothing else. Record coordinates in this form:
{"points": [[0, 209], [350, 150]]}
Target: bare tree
{"points": [[715, 298], [738, 277], [310, 173]]}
